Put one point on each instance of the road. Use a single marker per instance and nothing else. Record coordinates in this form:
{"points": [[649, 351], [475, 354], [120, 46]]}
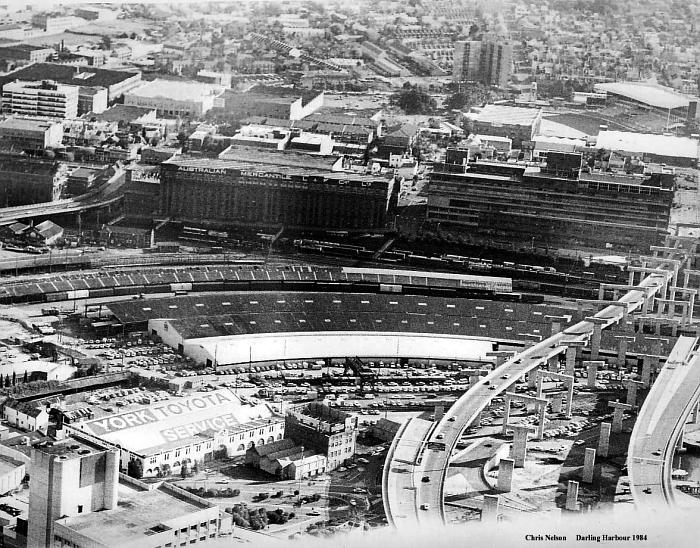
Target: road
{"points": [[432, 463], [660, 424]]}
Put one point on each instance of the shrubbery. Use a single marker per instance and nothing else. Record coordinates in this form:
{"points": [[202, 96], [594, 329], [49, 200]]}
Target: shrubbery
{"points": [[257, 519], [213, 493]]}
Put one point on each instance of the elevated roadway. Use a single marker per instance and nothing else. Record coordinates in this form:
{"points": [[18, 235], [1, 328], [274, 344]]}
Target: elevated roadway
{"points": [[430, 467], [660, 424], [106, 195]]}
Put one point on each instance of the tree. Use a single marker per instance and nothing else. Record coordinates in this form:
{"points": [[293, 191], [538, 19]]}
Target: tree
{"points": [[184, 470], [414, 100], [7, 381], [14, 379], [135, 469], [25, 379]]}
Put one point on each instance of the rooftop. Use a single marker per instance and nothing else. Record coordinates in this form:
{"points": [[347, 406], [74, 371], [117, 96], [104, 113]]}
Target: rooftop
{"points": [[176, 90], [662, 145], [26, 124], [138, 513], [506, 115], [121, 113], [653, 95], [69, 448], [67, 74]]}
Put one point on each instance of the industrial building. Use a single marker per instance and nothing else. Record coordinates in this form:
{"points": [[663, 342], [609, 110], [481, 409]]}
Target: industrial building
{"points": [[271, 189], [164, 435], [117, 82], [30, 134], [554, 205], [25, 180], [489, 62], [171, 99], [667, 149], [41, 98], [516, 123], [78, 499], [26, 52], [270, 102]]}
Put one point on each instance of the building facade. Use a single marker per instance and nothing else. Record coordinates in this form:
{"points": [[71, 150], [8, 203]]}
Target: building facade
{"points": [[488, 62], [238, 193], [513, 205], [25, 180], [31, 134], [47, 99]]}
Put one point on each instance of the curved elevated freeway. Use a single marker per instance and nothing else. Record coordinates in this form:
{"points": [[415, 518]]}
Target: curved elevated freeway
{"points": [[104, 196], [660, 424], [429, 467]]}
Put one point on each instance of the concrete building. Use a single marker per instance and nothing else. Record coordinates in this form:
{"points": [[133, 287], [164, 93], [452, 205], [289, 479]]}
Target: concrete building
{"points": [[79, 499], [25, 180], [46, 98], [259, 188], [554, 205], [324, 430], [12, 473], [117, 82], [517, 123], [69, 478], [270, 102], [31, 134], [678, 151], [183, 99], [285, 459], [488, 62], [26, 52], [163, 436], [92, 99]]}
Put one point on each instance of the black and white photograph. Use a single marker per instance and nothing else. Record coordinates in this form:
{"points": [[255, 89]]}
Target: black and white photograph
{"points": [[331, 274]]}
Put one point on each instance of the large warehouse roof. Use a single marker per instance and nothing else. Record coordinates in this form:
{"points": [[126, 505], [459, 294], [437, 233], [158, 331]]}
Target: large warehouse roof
{"points": [[176, 421], [506, 115], [655, 96], [647, 143]]}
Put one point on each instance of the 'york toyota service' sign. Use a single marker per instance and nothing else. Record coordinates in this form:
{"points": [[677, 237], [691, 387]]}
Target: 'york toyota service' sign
{"points": [[175, 419]]}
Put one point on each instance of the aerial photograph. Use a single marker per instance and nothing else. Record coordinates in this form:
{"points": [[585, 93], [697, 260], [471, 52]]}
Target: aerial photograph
{"points": [[379, 273]]}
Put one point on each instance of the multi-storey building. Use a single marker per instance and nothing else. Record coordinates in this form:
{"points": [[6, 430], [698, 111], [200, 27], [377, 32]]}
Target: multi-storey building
{"points": [[78, 499], [30, 134], [554, 206], [325, 430], [489, 62], [25, 180], [46, 98], [271, 189]]}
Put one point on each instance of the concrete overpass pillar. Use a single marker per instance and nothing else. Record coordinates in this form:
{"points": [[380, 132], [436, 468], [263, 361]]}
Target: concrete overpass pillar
{"points": [[572, 496], [519, 445], [604, 439], [592, 371], [505, 475], [489, 511], [596, 337], [553, 363], [646, 370], [556, 404], [588, 465], [506, 414], [694, 418], [618, 410], [632, 387]]}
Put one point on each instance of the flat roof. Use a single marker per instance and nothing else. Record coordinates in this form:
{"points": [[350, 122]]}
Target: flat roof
{"points": [[652, 95], [506, 115], [69, 448], [176, 421], [648, 143], [176, 90], [138, 511], [68, 74], [26, 124], [118, 113]]}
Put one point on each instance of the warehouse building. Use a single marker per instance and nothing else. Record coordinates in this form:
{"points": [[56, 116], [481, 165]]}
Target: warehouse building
{"points": [[41, 98], [555, 205], [271, 189], [25, 180], [517, 123], [117, 82], [165, 435], [181, 98], [31, 134], [668, 149]]}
